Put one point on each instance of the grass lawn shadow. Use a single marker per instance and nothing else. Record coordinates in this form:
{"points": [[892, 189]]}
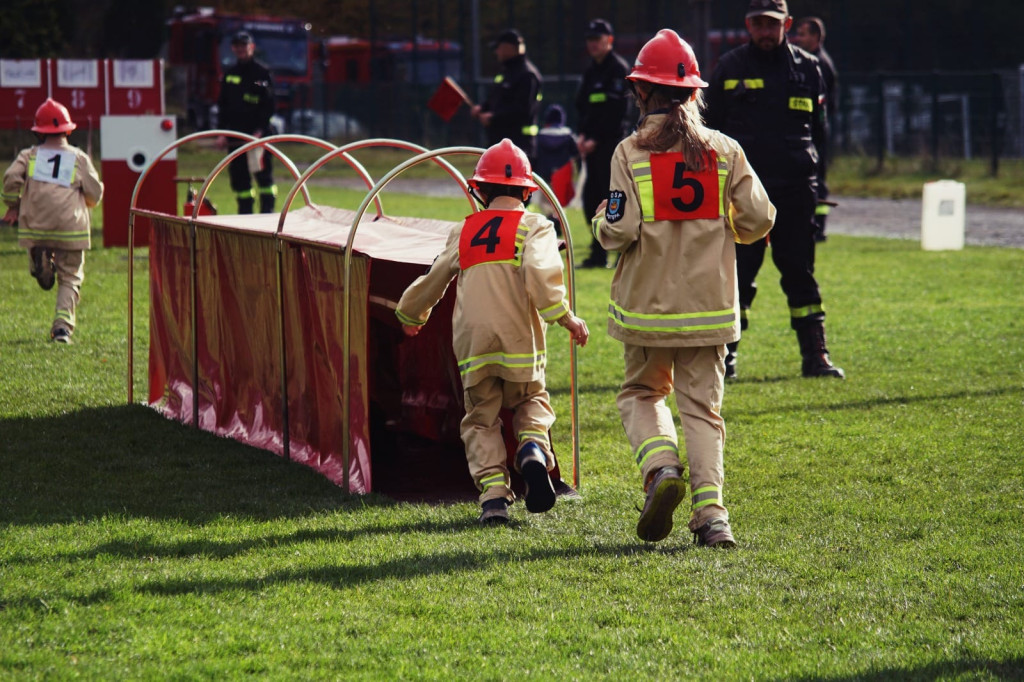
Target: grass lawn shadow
{"points": [[130, 461]]}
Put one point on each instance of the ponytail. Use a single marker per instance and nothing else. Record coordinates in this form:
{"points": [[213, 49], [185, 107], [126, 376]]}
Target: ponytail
{"points": [[683, 124]]}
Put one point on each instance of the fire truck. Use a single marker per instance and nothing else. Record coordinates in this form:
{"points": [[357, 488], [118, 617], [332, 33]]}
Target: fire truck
{"points": [[424, 61], [200, 43]]}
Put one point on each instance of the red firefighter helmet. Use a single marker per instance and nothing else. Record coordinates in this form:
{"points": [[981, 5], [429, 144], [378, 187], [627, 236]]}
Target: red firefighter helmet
{"points": [[52, 117], [504, 164], [667, 59]]}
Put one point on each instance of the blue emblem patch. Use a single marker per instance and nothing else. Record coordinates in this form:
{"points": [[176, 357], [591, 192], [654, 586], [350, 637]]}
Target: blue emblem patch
{"points": [[616, 204]]}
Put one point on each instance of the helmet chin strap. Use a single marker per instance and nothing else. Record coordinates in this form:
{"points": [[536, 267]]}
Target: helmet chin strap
{"points": [[472, 193]]}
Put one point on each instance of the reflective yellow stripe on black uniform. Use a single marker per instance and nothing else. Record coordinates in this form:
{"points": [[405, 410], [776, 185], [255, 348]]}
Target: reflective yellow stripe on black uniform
{"points": [[807, 310], [748, 83], [801, 104]]}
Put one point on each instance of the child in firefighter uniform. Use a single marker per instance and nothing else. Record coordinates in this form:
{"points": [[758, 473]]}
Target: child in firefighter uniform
{"points": [[680, 198], [49, 190], [510, 288]]}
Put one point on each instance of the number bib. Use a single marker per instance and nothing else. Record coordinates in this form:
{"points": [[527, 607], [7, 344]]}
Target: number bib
{"points": [[682, 194], [490, 237], [56, 166]]}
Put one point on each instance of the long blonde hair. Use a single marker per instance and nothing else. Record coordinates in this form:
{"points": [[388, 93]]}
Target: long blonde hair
{"points": [[683, 122]]}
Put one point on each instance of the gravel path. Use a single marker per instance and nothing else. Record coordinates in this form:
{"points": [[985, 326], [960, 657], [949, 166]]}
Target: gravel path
{"points": [[901, 219], [892, 218]]}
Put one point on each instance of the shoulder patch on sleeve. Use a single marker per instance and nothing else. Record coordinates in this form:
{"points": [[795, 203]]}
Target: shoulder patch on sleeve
{"points": [[616, 205]]}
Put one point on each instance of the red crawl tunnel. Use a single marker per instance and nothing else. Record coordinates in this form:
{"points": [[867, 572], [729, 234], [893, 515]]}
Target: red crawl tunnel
{"points": [[278, 330]]}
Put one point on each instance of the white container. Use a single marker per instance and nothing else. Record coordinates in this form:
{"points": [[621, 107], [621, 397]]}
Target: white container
{"points": [[943, 215]]}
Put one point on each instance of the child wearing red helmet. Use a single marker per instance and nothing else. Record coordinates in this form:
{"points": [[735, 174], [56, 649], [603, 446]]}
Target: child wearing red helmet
{"points": [[49, 190], [510, 288], [680, 198]]}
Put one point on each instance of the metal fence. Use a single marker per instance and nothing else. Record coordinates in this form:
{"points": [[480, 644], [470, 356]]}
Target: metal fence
{"points": [[933, 114], [968, 115]]}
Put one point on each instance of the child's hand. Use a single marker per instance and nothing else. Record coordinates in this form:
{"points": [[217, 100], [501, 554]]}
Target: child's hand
{"points": [[411, 331], [599, 213], [577, 328]]}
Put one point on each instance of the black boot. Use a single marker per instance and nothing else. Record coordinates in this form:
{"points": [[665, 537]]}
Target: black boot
{"points": [[816, 362], [266, 202], [245, 206], [730, 359]]}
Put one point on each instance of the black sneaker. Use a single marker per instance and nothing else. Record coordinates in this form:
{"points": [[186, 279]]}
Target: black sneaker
{"points": [[60, 335], [715, 533], [532, 464], [665, 491], [494, 512]]}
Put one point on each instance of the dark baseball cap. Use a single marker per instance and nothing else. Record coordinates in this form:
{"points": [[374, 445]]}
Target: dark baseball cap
{"points": [[599, 27], [776, 9], [511, 36], [241, 38]]}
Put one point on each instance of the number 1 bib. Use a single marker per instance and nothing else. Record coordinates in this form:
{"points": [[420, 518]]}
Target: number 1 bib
{"points": [[56, 166]]}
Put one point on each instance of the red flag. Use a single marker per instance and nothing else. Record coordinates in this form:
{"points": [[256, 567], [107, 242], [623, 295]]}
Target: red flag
{"points": [[561, 184], [447, 99]]}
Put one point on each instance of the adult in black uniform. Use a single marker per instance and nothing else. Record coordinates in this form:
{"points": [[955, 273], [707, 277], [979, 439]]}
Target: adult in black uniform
{"points": [[601, 103], [513, 102], [769, 96], [246, 103], [810, 35]]}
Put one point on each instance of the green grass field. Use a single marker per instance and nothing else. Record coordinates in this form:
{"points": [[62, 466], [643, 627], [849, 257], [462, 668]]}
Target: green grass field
{"points": [[880, 519]]}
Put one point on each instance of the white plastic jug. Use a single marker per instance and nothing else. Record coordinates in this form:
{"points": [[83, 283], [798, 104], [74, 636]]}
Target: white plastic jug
{"points": [[943, 215]]}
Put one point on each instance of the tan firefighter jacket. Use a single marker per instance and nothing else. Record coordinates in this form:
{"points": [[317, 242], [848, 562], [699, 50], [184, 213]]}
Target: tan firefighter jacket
{"points": [[675, 283], [510, 285], [53, 185]]}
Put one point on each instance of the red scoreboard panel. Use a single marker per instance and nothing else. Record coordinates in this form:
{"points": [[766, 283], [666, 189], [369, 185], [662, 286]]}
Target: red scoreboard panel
{"points": [[24, 85], [89, 88], [135, 87], [80, 85]]}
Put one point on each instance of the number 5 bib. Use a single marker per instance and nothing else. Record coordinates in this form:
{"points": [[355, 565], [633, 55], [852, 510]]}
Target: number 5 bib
{"points": [[491, 237], [56, 166], [670, 191]]}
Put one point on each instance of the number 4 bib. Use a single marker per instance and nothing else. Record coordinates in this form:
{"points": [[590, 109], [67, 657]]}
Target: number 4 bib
{"points": [[56, 166], [491, 237]]}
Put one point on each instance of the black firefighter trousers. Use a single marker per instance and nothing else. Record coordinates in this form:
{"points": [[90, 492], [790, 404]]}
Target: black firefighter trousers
{"points": [[792, 247]]}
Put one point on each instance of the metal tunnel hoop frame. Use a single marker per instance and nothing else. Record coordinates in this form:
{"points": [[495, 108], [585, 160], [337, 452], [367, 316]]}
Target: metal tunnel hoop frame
{"points": [[300, 185], [252, 142], [347, 312]]}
